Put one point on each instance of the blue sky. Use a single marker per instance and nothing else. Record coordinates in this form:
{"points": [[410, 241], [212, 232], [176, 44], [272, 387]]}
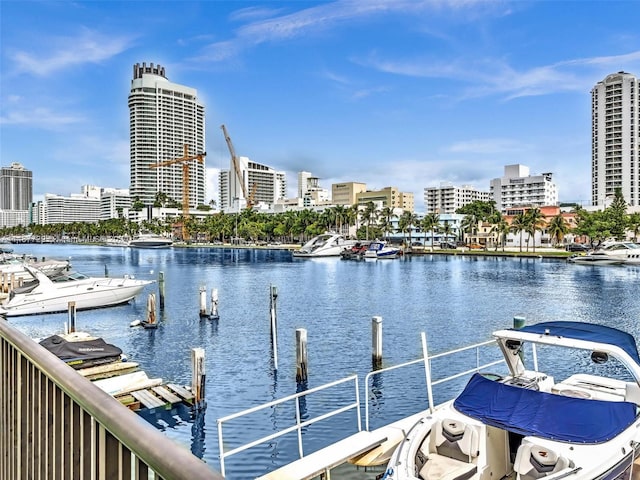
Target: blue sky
{"points": [[402, 93]]}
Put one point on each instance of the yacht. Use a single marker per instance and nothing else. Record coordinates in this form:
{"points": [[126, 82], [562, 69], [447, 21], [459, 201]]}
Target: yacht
{"points": [[325, 245], [381, 250], [43, 294], [626, 252], [595, 258], [526, 424], [150, 241]]}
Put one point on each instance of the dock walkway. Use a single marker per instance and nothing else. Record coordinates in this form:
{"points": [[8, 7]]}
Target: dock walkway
{"points": [[365, 448]]}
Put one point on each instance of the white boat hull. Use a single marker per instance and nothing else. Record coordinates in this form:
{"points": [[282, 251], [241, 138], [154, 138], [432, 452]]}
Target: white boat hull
{"points": [[87, 294], [325, 245]]}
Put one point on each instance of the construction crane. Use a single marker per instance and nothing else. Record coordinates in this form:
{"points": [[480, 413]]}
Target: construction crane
{"points": [[184, 160], [234, 159]]}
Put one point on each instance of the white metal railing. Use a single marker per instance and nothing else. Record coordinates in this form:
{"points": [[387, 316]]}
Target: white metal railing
{"points": [[299, 425], [426, 360]]}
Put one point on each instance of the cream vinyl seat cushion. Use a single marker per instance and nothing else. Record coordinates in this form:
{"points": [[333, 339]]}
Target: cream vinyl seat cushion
{"points": [[534, 461], [453, 447]]}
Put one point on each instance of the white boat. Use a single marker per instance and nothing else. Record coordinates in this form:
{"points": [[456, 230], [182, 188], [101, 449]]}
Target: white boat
{"points": [[626, 252], [527, 424], [12, 264], [48, 295], [596, 257], [381, 250], [150, 241], [325, 245]]}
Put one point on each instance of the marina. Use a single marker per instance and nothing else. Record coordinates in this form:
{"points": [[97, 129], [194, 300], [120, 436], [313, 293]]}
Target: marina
{"points": [[456, 300]]}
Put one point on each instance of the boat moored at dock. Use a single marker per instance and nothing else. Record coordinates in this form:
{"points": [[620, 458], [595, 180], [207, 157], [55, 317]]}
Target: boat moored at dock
{"points": [[325, 245]]}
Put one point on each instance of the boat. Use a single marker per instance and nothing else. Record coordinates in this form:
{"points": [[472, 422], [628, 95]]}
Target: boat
{"points": [[356, 252], [526, 424], [13, 264], [596, 257], [626, 252], [150, 241], [324, 245], [43, 294], [380, 250]]}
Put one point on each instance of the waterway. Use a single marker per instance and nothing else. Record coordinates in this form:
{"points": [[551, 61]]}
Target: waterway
{"points": [[455, 300]]}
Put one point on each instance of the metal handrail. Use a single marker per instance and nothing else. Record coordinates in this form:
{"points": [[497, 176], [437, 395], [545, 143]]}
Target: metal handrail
{"points": [[32, 367], [299, 425], [426, 360]]}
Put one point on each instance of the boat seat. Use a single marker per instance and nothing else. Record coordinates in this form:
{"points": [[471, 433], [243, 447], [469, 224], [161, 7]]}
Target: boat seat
{"points": [[533, 461], [453, 448]]}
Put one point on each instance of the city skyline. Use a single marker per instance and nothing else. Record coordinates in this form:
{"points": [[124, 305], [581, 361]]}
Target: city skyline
{"points": [[397, 93]]}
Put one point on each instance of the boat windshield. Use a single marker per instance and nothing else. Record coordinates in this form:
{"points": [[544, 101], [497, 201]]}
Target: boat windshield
{"points": [[69, 277]]}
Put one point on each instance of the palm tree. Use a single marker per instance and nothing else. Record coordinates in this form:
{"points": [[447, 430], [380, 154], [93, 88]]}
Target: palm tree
{"points": [[430, 222], [469, 225], [368, 215], [446, 230], [535, 221], [406, 222], [519, 224], [386, 215], [634, 225], [558, 228]]}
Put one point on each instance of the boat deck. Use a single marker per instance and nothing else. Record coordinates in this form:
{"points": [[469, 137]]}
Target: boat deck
{"points": [[362, 449]]}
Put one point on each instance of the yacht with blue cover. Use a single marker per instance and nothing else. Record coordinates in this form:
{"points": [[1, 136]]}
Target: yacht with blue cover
{"points": [[527, 424]]}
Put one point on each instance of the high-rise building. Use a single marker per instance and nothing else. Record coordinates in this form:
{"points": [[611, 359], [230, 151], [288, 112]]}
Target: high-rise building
{"points": [[448, 198], [517, 188], [16, 195], [615, 132], [163, 118]]}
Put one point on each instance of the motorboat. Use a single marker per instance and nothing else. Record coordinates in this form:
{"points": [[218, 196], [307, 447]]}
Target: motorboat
{"points": [[150, 241], [380, 250], [356, 252], [596, 257], [525, 424], [626, 252], [13, 264], [325, 245], [44, 294]]}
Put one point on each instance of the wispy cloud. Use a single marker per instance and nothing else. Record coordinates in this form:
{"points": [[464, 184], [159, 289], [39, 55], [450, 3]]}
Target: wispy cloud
{"points": [[491, 146], [58, 53], [40, 118], [314, 20]]}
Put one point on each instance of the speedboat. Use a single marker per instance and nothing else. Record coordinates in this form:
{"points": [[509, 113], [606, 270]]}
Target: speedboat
{"points": [[596, 257], [526, 424], [49, 295], [150, 241], [626, 252], [325, 245], [380, 249]]}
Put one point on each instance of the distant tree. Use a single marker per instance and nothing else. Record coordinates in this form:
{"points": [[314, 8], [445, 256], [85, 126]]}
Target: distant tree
{"points": [[430, 222], [595, 225], [534, 221], [634, 225], [617, 213], [519, 225], [481, 210], [407, 222], [558, 228]]}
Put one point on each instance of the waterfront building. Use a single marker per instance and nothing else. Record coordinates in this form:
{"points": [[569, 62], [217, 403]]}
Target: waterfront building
{"points": [[615, 132], [346, 193], [314, 194], [387, 197], [448, 198], [113, 202], [163, 118], [16, 195], [303, 178], [518, 188], [263, 185], [78, 207]]}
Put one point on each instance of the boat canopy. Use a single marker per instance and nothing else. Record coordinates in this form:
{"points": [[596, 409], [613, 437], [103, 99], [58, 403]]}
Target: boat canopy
{"points": [[546, 415], [589, 332]]}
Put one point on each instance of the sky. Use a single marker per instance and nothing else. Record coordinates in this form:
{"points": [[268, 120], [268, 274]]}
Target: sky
{"points": [[401, 93]]}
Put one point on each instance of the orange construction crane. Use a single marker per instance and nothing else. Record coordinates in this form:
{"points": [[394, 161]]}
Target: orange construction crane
{"points": [[234, 159], [185, 182]]}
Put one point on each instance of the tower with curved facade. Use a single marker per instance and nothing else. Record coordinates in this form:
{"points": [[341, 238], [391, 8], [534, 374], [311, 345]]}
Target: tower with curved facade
{"points": [[163, 117]]}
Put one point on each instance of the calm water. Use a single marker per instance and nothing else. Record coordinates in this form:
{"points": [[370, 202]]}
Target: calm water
{"points": [[456, 300]]}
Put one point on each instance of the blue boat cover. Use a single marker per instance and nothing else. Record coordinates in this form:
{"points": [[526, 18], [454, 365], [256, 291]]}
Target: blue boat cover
{"points": [[545, 415], [589, 332]]}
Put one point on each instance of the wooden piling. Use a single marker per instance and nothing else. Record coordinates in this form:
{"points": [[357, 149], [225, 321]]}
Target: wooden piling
{"points": [[198, 377], [376, 342], [273, 292], [213, 315], [301, 355], [106, 270], [203, 302], [161, 289], [72, 316], [151, 312]]}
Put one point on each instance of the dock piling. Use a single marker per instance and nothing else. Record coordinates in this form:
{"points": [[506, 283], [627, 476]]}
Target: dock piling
{"points": [[376, 342], [151, 312], [301, 355], [161, 289], [213, 315], [72, 316], [198, 377], [274, 324], [203, 302], [106, 270]]}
